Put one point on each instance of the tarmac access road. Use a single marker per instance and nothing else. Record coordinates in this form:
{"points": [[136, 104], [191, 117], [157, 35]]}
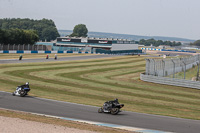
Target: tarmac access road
{"points": [[89, 113], [71, 58]]}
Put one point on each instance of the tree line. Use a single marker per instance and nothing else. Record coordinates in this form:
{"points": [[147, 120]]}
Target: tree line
{"points": [[18, 36], [196, 43], [156, 43], [45, 28]]}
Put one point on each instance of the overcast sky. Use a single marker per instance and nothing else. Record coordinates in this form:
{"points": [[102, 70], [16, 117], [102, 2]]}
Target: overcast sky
{"points": [[172, 18]]}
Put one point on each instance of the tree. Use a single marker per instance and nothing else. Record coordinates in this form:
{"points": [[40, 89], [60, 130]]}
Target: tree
{"points": [[41, 26], [142, 41], [30, 37], [18, 36], [158, 42], [196, 43], [1, 36], [80, 30], [48, 34]]}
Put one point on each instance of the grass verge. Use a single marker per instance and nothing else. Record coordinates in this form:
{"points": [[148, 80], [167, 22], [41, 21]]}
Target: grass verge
{"points": [[54, 121]]}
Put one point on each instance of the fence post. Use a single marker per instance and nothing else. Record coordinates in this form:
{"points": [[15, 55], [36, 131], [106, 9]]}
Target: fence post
{"points": [[147, 66], [154, 67], [163, 68], [173, 68], [184, 68], [198, 71]]}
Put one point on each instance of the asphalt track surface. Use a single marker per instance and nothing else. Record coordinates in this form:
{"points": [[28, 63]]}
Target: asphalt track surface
{"points": [[84, 112], [71, 58]]}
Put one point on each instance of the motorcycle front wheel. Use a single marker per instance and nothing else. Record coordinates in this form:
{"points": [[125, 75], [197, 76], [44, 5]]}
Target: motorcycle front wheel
{"points": [[114, 111], [100, 110]]}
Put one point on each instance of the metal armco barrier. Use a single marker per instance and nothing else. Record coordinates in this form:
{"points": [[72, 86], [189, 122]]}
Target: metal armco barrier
{"points": [[170, 81]]}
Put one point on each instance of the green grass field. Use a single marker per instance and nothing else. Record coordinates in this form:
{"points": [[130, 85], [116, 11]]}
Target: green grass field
{"points": [[93, 82]]}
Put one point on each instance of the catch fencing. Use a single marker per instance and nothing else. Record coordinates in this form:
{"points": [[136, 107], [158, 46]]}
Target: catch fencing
{"points": [[159, 71], [166, 67]]}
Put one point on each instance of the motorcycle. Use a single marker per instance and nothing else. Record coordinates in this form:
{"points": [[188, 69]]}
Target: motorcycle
{"points": [[112, 107], [21, 91]]}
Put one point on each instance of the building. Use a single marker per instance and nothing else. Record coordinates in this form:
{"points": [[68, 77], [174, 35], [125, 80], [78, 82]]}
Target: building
{"points": [[97, 45]]}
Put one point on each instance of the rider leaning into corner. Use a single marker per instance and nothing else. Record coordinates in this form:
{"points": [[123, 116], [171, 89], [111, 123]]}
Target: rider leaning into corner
{"points": [[114, 101], [21, 87], [110, 103]]}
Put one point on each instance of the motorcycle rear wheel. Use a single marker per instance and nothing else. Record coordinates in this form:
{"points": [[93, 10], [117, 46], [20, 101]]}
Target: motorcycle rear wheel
{"points": [[114, 111]]}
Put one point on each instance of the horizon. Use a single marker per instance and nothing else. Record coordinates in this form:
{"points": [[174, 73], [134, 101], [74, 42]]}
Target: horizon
{"points": [[136, 35]]}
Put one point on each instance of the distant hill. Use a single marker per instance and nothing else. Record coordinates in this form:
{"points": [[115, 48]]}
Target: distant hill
{"points": [[126, 36]]}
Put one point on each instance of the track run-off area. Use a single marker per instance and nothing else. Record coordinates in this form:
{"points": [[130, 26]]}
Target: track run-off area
{"points": [[94, 81]]}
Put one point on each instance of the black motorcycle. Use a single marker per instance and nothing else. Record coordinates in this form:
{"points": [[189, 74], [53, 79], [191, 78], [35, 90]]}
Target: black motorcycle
{"points": [[112, 107]]}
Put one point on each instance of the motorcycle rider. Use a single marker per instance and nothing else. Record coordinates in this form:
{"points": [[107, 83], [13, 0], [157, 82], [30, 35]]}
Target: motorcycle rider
{"points": [[21, 87], [109, 104], [25, 85], [114, 101]]}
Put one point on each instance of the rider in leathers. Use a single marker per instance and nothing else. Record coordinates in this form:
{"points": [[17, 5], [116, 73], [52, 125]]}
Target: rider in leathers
{"points": [[21, 87], [109, 104]]}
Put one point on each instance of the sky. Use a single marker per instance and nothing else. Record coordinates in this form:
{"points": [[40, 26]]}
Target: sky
{"points": [[171, 18]]}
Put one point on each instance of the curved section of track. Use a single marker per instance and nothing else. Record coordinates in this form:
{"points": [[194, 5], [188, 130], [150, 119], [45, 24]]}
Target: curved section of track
{"points": [[84, 112]]}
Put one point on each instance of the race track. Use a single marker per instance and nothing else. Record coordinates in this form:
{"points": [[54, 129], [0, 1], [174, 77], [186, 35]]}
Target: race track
{"points": [[84, 112], [71, 58]]}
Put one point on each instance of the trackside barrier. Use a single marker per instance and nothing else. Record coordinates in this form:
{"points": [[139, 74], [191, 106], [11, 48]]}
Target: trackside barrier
{"points": [[34, 52], [55, 52], [41, 52], [60, 52], [69, 51], [170, 81], [168, 50]]}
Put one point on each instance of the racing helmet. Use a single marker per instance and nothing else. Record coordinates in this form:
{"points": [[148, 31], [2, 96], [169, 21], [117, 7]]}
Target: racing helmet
{"points": [[116, 100], [27, 83]]}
